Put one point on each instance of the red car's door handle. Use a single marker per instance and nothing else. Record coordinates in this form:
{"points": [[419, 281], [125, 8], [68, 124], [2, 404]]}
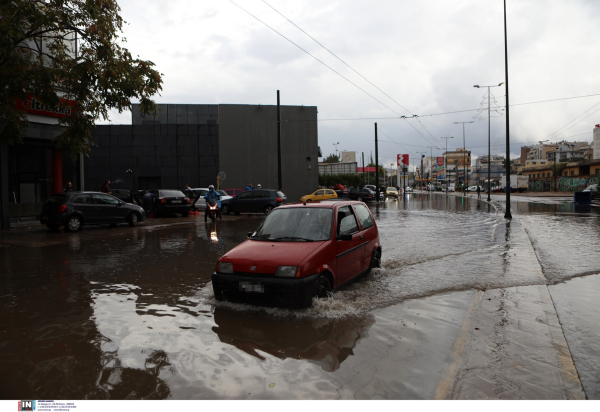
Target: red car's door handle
{"points": [[361, 237]]}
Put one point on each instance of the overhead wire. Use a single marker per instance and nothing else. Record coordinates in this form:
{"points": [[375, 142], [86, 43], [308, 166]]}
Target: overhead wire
{"points": [[339, 74]]}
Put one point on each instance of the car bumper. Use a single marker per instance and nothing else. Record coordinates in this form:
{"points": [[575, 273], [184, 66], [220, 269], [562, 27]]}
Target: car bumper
{"points": [[265, 291]]}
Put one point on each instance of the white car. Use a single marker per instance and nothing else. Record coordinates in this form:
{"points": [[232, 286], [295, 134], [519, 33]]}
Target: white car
{"points": [[409, 189], [201, 191], [591, 188], [472, 189]]}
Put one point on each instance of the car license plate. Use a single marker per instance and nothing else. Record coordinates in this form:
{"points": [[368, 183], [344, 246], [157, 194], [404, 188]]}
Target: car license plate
{"points": [[176, 201], [254, 287]]}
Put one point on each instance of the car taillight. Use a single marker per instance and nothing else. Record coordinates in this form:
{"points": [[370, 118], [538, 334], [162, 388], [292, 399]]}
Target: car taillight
{"points": [[163, 200], [187, 200], [279, 200], [62, 208]]}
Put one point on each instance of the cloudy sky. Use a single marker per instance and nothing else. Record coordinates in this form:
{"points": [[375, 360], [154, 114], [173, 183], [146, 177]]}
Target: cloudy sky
{"points": [[418, 58]]}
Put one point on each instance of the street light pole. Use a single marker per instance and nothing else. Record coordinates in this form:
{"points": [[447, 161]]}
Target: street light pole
{"points": [[446, 161], [489, 146], [507, 215], [336, 150], [421, 170], [465, 181]]}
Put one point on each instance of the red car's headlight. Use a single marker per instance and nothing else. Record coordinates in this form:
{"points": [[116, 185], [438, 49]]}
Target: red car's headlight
{"points": [[224, 267]]}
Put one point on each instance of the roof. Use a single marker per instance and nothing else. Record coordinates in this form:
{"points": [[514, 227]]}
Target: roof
{"points": [[328, 203]]}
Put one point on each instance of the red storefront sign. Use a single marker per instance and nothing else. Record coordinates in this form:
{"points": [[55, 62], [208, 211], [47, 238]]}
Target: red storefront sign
{"points": [[33, 105]]}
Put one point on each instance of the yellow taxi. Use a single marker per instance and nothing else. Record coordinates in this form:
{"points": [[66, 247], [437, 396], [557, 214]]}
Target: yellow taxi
{"points": [[321, 194], [391, 191]]}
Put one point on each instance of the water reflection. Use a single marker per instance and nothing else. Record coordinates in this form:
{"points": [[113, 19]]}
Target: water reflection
{"points": [[321, 341]]}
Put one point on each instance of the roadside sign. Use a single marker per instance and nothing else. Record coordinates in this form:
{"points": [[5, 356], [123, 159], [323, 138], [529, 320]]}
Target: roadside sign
{"points": [[402, 160]]}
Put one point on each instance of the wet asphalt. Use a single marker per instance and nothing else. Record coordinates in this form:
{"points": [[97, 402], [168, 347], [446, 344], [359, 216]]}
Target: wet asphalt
{"points": [[467, 305]]}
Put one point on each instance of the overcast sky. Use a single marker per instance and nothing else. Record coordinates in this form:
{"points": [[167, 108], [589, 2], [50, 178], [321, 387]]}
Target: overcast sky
{"points": [[425, 55]]}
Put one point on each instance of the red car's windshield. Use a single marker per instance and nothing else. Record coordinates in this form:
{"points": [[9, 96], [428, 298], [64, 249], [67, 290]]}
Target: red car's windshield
{"points": [[296, 225]]}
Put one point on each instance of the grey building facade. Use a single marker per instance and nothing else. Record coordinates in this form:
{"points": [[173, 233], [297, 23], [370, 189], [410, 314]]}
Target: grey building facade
{"points": [[191, 144]]}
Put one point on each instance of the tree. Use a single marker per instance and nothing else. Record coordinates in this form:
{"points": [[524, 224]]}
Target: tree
{"points": [[39, 58], [332, 159]]}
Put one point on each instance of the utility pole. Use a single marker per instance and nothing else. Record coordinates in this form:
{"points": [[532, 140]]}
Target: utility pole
{"points": [[446, 162], [363, 173], [465, 181], [507, 215], [376, 166], [279, 182]]}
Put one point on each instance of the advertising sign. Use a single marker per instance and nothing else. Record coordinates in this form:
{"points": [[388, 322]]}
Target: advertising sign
{"points": [[441, 170], [402, 160], [33, 105]]}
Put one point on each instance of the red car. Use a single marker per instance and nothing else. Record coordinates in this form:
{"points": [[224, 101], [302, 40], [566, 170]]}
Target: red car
{"points": [[233, 192], [300, 251]]}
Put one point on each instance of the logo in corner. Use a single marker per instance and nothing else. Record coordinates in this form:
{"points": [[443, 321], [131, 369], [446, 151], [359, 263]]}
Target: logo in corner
{"points": [[26, 406]]}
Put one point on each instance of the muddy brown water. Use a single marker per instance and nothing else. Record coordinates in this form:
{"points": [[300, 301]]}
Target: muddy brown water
{"points": [[129, 313]]}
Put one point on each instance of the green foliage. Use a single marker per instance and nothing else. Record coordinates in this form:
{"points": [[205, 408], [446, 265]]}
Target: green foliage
{"points": [[350, 180], [100, 76], [332, 159]]}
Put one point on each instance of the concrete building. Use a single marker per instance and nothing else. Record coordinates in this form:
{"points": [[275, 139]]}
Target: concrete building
{"points": [[347, 156], [193, 144]]}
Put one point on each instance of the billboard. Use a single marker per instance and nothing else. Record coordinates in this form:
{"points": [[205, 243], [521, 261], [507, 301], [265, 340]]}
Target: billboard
{"points": [[441, 170], [33, 105]]}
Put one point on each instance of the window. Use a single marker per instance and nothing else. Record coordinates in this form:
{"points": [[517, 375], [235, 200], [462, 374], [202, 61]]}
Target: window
{"points": [[105, 200], [346, 221], [260, 194], [572, 172], [329, 192], [319, 192], [366, 221], [85, 199], [543, 174], [244, 195], [566, 174], [597, 172]]}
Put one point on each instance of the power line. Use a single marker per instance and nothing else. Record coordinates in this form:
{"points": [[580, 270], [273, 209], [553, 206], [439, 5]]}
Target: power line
{"points": [[320, 61], [334, 55], [558, 131], [350, 67]]}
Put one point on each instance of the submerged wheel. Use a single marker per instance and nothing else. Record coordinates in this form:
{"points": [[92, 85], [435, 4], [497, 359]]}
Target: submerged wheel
{"points": [[375, 260], [268, 209], [73, 224], [322, 288], [133, 220], [226, 209]]}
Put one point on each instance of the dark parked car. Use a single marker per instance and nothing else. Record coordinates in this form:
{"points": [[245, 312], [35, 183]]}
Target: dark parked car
{"points": [[363, 195], [171, 201], [254, 201], [126, 195], [75, 209]]}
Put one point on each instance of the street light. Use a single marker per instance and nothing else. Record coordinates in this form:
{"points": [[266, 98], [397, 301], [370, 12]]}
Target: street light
{"points": [[489, 149], [466, 181], [336, 150], [446, 162]]}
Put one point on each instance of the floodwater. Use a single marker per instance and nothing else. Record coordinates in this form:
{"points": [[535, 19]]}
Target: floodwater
{"points": [[129, 313]]}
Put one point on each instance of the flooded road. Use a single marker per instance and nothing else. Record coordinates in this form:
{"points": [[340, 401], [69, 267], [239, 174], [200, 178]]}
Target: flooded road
{"points": [[129, 313]]}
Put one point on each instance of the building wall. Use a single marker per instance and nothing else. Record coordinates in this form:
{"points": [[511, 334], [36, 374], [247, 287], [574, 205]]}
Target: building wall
{"points": [[338, 168], [248, 147], [153, 156]]}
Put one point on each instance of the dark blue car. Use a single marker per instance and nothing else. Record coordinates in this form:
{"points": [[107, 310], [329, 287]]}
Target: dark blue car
{"points": [[253, 201]]}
